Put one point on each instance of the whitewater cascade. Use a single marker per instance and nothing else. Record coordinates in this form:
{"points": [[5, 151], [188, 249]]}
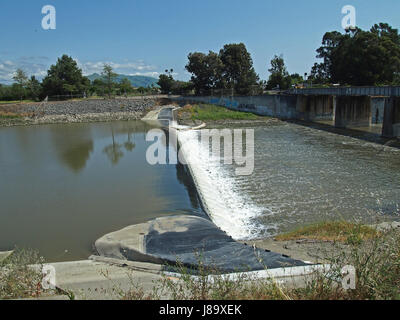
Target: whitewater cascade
{"points": [[230, 210]]}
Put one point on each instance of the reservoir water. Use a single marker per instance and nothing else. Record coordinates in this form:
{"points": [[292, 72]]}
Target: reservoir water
{"points": [[64, 186]]}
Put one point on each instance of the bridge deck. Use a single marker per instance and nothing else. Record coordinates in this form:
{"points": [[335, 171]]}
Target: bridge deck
{"points": [[387, 91]]}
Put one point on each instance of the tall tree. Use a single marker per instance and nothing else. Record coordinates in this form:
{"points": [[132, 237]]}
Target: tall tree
{"points": [[98, 87], [109, 76], [238, 71], [34, 88], [360, 57], [279, 77], [21, 79], [206, 71], [166, 82], [125, 86], [319, 74], [330, 43], [390, 46], [64, 72]]}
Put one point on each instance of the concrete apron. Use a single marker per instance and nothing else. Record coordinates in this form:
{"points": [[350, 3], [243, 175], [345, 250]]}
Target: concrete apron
{"points": [[100, 278], [104, 278], [188, 242]]}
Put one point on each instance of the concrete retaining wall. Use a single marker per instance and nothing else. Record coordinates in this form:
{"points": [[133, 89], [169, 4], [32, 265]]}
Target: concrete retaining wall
{"points": [[280, 106], [391, 122], [353, 111], [311, 108], [377, 109], [345, 111]]}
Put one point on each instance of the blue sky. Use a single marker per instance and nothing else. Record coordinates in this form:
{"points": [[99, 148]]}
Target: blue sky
{"points": [[146, 37]]}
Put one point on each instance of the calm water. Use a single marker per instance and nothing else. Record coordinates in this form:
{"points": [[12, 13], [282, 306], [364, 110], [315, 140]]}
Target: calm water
{"points": [[64, 186]]}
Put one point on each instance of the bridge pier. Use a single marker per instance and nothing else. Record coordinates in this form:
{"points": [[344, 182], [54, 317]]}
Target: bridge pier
{"points": [[313, 107], [391, 121], [354, 111], [377, 110]]}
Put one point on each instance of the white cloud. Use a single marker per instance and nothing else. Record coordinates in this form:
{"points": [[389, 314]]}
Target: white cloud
{"points": [[38, 66], [126, 67], [153, 74], [33, 66]]}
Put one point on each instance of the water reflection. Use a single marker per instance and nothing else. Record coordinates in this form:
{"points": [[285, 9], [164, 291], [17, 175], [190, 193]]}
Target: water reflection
{"points": [[184, 177], [129, 145], [113, 151], [59, 192], [73, 145]]}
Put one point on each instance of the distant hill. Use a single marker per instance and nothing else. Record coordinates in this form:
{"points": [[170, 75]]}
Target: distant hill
{"points": [[137, 81]]}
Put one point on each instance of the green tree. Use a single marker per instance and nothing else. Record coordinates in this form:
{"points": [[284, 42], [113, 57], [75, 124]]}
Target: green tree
{"points": [[182, 87], [360, 57], [109, 76], [34, 88], [98, 86], [330, 43], [64, 72], [296, 79], [70, 88], [206, 71], [279, 77], [141, 90], [21, 79], [166, 82], [238, 71], [319, 74], [125, 86]]}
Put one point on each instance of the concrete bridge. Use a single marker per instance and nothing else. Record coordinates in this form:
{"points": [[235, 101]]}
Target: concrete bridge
{"points": [[386, 91], [377, 108]]}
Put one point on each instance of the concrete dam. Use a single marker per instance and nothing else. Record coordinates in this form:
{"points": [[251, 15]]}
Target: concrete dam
{"points": [[303, 175], [342, 109]]}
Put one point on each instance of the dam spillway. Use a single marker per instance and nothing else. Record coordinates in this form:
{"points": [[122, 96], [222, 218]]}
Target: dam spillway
{"points": [[301, 176]]}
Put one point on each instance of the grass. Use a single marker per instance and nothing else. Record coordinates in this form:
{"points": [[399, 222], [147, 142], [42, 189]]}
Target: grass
{"points": [[7, 117], [341, 231], [10, 115], [207, 112], [16, 101], [17, 277]]}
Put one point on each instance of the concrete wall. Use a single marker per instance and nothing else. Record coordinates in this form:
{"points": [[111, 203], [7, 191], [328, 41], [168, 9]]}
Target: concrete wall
{"points": [[377, 110], [391, 122], [311, 108], [345, 111], [396, 118], [353, 111], [280, 106]]}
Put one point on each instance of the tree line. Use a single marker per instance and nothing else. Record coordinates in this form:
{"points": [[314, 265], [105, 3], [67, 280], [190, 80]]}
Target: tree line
{"points": [[355, 58], [65, 79]]}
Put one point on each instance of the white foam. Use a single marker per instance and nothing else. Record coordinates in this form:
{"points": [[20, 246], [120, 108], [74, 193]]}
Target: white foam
{"points": [[230, 210]]}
